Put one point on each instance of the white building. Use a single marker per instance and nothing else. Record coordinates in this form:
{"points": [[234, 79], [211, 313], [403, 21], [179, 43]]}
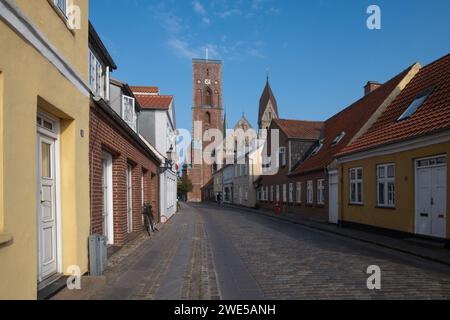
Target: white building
{"points": [[157, 125]]}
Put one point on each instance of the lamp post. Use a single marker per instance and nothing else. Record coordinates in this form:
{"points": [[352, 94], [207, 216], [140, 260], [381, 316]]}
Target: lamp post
{"points": [[169, 162]]}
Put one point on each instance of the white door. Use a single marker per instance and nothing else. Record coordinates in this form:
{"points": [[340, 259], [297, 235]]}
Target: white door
{"points": [[333, 195], [108, 224], [47, 217], [129, 199], [431, 190]]}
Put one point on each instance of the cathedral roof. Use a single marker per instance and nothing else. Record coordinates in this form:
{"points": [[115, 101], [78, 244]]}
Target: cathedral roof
{"points": [[267, 96]]}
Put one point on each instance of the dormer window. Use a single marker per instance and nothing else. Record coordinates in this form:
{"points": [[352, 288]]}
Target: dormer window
{"points": [[416, 104], [338, 138], [96, 76], [129, 112]]}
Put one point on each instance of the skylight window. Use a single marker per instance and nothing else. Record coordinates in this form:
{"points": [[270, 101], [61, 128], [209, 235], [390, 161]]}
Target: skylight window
{"points": [[416, 104], [317, 148], [338, 138]]}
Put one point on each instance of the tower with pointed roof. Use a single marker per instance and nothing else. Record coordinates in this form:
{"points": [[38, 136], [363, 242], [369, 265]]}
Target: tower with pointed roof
{"points": [[268, 109]]}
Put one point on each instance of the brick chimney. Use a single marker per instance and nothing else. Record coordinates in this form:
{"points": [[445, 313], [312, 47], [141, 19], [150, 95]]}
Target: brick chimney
{"points": [[370, 86]]}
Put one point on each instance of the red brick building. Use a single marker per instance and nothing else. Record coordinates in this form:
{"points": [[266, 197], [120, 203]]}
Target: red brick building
{"points": [[207, 108], [310, 177], [123, 170], [295, 139]]}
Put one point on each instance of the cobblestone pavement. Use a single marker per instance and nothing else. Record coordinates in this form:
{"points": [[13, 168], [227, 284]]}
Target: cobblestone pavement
{"points": [[289, 261], [206, 252]]}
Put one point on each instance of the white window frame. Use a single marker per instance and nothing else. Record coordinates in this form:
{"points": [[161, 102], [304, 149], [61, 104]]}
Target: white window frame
{"points": [[291, 192], [132, 123], [298, 192], [284, 193], [386, 181], [309, 192], [358, 184], [64, 11], [320, 191], [283, 156]]}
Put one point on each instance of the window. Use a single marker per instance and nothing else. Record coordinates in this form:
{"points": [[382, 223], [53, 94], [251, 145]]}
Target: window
{"points": [[96, 76], [271, 193], [128, 112], [284, 193], [208, 97], [246, 194], [129, 199], [142, 188], [62, 6], [309, 192], [386, 185], [277, 191], [317, 148], [356, 185], [291, 192], [338, 138], [416, 104], [320, 191], [298, 192], [283, 156]]}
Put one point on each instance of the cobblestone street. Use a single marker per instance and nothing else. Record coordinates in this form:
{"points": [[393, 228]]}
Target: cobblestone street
{"points": [[206, 252]]}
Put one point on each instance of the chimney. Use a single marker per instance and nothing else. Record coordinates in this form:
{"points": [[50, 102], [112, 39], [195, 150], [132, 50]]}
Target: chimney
{"points": [[371, 86]]}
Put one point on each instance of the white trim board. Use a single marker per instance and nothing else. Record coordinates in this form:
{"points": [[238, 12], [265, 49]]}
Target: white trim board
{"points": [[17, 20], [412, 144]]}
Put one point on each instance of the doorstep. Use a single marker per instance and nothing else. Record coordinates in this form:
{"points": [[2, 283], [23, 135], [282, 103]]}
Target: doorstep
{"points": [[50, 287], [403, 244]]}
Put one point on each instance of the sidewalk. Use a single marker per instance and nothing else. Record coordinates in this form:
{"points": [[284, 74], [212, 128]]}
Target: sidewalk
{"points": [[425, 251]]}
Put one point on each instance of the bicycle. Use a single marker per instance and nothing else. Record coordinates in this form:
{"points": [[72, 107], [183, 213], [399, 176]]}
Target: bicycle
{"points": [[148, 219]]}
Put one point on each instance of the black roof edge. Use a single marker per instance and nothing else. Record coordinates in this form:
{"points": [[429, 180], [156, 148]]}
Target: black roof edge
{"points": [[123, 125], [95, 39]]}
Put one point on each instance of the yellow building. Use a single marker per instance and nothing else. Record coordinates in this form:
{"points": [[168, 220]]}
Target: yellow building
{"points": [[395, 176], [44, 143]]}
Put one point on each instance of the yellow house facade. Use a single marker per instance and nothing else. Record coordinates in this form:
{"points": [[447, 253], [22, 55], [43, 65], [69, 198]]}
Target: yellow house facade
{"points": [[395, 175], [44, 143], [403, 214]]}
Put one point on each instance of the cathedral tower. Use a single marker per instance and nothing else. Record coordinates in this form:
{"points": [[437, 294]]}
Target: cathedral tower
{"points": [[207, 108], [268, 109]]}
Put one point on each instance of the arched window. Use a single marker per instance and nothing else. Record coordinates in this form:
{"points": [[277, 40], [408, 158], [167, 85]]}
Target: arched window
{"points": [[208, 97], [208, 118]]}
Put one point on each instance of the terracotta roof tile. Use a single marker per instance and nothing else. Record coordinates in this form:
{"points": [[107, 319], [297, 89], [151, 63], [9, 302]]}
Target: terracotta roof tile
{"points": [[432, 116], [350, 121], [155, 102], [143, 89], [300, 128]]}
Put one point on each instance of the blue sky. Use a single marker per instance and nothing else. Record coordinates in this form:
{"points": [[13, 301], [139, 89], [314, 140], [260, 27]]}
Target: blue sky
{"points": [[319, 53]]}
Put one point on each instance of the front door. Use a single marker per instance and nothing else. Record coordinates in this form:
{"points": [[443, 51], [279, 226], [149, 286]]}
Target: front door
{"points": [[108, 223], [47, 217], [333, 198], [431, 190]]}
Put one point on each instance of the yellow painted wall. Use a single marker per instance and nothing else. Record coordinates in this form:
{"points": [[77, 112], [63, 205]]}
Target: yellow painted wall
{"points": [[31, 81], [402, 217]]}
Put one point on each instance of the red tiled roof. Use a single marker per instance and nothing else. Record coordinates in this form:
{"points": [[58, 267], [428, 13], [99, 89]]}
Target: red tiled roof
{"points": [[154, 102], [300, 128], [143, 89], [350, 121], [432, 116]]}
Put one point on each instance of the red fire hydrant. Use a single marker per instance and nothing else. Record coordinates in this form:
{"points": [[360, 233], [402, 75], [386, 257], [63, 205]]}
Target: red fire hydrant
{"points": [[277, 208]]}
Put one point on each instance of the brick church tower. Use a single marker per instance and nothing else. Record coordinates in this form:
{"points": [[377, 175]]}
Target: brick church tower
{"points": [[207, 107]]}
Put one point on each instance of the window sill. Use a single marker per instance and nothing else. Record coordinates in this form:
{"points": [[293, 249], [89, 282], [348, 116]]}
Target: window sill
{"points": [[61, 16], [385, 207], [356, 204], [5, 237]]}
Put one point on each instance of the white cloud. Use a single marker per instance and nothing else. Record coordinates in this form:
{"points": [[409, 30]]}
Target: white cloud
{"points": [[198, 7], [182, 48], [229, 13]]}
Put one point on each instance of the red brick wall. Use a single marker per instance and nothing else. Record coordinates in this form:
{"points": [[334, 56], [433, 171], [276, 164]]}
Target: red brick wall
{"points": [[106, 136]]}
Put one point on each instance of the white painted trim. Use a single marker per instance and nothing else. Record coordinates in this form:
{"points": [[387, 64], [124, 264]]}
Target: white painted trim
{"points": [[416, 161], [110, 223], [412, 144], [11, 14], [55, 135]]}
